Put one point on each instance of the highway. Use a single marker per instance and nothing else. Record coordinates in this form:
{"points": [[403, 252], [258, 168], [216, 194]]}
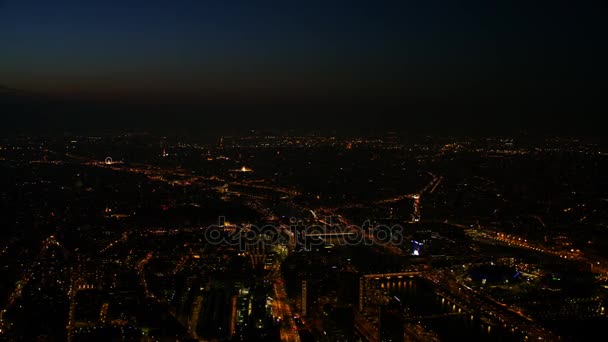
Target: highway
{"points": [[366, 328], [196, 312], [282, 311]]}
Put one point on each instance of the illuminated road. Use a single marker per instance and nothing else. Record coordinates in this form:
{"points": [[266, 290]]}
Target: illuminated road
{"points": [[436, 184], [523, 243], [196, 311], [142, 275], [282, 310], [366, 328], [487, 235], [518, 242], [124, 238]]}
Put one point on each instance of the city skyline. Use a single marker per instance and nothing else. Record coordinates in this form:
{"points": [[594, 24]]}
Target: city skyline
{"points": [[303, 171]]}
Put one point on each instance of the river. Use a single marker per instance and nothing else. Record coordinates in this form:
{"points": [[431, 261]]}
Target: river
{"points": [[420, 298]]}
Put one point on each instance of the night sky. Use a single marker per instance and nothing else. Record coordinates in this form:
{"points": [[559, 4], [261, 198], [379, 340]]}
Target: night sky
{"points": [[429, 65]]}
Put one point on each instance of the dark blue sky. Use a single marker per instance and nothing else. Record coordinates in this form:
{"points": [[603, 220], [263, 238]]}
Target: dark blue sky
{"points": [[436, 52]]}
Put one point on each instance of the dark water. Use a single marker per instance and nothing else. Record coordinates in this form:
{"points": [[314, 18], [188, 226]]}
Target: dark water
{"points": [[418, 295]]}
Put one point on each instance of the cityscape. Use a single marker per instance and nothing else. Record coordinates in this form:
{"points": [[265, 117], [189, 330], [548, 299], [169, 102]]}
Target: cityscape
{"points": [[303, 171], [278, 237]]}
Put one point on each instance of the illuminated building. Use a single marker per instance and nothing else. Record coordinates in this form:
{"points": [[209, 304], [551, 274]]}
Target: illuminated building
{"points": [[417, 247]]}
